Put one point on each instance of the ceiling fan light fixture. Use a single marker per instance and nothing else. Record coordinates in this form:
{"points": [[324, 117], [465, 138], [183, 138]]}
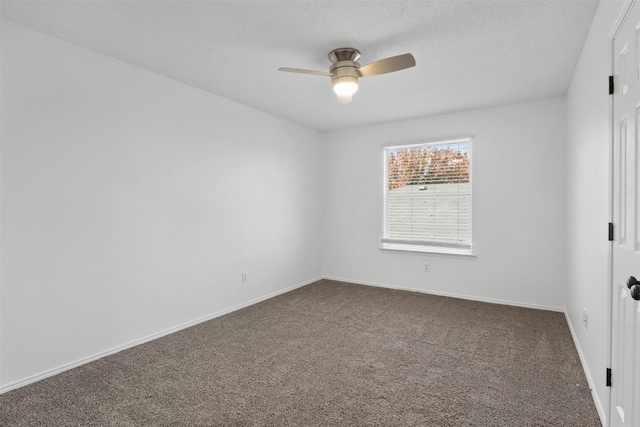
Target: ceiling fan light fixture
{"points": [[345, 85], [344, 99]]}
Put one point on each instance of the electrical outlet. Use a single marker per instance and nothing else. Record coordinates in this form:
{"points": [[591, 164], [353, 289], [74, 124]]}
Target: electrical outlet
{"points": [[585, 318], [426, 268], [245, 277]]}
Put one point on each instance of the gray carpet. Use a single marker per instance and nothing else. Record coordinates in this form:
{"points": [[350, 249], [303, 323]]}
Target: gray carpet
{"points": [[331, 354]]}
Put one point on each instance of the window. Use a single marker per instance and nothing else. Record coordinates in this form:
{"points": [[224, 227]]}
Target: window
{"points": [[427, 197]]}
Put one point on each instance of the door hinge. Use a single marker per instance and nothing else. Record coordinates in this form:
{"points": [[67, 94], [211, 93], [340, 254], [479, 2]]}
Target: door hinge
{"points": [[611, 232], [610, 85], [608, 377]]}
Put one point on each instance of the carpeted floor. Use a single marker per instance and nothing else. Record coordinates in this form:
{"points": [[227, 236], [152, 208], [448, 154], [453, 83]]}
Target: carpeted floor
{"points": [[331, 354]]}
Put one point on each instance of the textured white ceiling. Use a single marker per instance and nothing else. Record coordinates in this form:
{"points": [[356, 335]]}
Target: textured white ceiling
{"points": [[469, 54]]}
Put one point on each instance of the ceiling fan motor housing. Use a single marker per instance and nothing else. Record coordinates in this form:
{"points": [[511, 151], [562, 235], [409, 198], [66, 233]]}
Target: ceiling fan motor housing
{"points": [[344, 71], [344, 68]]}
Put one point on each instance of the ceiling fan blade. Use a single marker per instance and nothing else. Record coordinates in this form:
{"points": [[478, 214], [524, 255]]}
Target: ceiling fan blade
{"points": [[388, 65], [299, 70]]}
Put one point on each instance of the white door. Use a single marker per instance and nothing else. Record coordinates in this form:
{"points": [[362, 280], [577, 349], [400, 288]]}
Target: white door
{"points": [[625, 313]]}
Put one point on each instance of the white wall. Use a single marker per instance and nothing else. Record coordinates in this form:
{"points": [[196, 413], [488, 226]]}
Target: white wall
{"points": [[587, 198], [518, 206], [131, 204]]}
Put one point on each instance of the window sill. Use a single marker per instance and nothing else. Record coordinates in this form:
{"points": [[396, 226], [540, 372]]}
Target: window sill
{"points": [[431, 250]]}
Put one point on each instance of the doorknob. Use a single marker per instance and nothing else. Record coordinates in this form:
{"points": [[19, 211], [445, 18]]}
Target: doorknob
{"points": [[634, 287]]}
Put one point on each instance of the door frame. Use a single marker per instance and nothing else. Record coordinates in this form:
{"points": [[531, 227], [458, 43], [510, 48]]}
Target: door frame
{"points": [[624, 12]]}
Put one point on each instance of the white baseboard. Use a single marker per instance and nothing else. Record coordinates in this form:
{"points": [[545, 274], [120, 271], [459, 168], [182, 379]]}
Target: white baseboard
{"points": [[51, 372], [594, 392], [451, 295]]}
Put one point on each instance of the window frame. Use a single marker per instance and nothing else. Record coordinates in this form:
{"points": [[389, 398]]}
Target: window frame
{"points": [[388, 244]]}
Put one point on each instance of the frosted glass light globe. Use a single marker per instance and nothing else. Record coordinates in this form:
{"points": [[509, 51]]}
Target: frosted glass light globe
{"points": [[345, 88]]}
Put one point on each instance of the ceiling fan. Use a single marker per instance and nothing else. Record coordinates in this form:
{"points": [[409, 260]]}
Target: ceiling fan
{"points": [[345, 70]]}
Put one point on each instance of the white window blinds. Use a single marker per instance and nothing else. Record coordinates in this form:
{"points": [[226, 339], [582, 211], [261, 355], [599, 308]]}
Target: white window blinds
{"points": [[427, 202]]}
